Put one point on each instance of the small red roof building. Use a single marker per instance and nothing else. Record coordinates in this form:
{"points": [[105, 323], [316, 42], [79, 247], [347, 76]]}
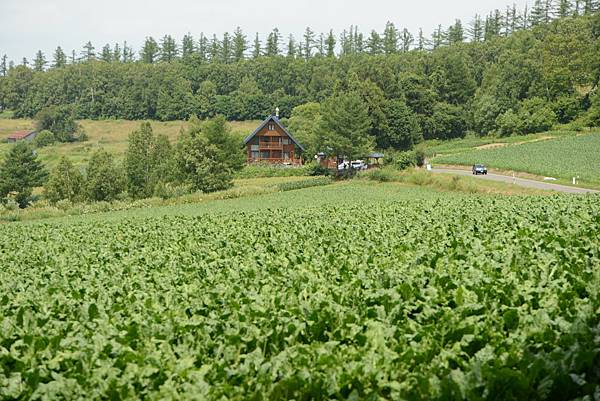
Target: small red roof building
{"points": [[21, 136]]}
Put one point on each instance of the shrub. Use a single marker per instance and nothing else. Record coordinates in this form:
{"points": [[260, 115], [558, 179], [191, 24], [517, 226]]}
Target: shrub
{"points": [[401, 160], [509, 123], [58, 119], [385, 174], [65, 182], [44, 138]]}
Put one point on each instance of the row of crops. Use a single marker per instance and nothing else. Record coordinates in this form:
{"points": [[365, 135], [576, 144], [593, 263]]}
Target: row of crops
{"points": [[455, 298], [565, 157]]}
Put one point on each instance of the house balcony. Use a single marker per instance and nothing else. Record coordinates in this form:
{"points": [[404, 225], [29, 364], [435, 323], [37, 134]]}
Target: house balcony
{"points": [[270, 146]]}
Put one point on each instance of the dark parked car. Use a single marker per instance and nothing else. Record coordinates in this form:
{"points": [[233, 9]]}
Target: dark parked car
{"points": [[479, 169]]}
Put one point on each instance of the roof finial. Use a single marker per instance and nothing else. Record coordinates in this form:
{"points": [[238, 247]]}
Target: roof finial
{"points": [[277, 112]]}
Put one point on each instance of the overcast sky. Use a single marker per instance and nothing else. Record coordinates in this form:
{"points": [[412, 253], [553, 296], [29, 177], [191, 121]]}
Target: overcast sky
{"points": [[29, 25]]}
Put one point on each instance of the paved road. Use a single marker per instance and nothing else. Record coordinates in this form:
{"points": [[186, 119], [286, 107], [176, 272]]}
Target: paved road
{"points": [[520, 181]]}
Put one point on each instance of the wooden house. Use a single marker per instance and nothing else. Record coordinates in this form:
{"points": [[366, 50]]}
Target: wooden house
{"points": [[21, 136], [272, 143]]}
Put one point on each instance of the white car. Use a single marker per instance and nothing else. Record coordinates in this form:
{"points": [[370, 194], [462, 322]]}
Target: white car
{"points": [[343, 166], [358, 165]]}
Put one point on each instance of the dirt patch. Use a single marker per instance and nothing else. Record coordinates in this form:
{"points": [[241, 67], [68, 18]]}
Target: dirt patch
{"points": [[540, 139], [492, 146]]}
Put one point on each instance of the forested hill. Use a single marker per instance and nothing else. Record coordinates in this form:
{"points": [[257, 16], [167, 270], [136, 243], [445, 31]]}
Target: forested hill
{"points": [[544, 74]]}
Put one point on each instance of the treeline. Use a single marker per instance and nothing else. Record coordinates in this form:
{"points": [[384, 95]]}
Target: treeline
{"points": [[516, 65]]}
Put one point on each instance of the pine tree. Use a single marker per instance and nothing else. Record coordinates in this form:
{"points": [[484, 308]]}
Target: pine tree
{"points": [[390, 39], [514, 19], [128, 53], [150, 51], [215, 49], [309, 42], [359, 41], [256, 50], [73, 57], [456, 33], [345, 44], [525, 17], [117, 54], [321, 45], [4, 66], [106, 54], [226, 52], [330, 44], [39, 62], [20, 172], [202, 48], [577, 9], [240, 44], [168, 49], [88, 52], [407, 40], [421, 41], [188, 46], [538, 13], [548, 11], [273, 43], [564, 8], [25, 62], [476, 29], [291, 47], [439, 37], [374, 43]]}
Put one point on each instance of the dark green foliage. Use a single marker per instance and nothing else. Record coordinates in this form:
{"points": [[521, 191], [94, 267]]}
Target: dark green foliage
{"points": [[60, 120], [402, 130], [104, 179], [44, 138], [446, 122], [208, 155], [20, 172], [400, 160], [345, 126], [65, 182]]}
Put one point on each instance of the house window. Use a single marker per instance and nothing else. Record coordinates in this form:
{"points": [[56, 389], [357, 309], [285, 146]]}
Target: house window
{"points": [[254, 155], [271, 127], [286, 155], [286, 141], [265, 154], [254, 148]]}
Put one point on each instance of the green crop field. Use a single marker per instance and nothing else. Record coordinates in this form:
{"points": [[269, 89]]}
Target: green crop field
{"points": [[351, 291], [563, 157]]}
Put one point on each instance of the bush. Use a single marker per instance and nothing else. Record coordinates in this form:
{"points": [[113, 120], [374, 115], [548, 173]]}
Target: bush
{"points": [[401, 160], [44, 138], [536, 115], [385, 174], [509, 123], [169, 190], [58, 119]]}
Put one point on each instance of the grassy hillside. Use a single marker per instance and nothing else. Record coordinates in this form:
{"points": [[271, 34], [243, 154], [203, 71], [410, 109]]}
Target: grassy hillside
{"points": [[352, 291], [107, 134], [562, 157]]}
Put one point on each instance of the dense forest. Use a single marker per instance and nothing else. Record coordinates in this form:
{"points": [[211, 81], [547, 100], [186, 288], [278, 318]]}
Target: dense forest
{"points": [[514, 71]]}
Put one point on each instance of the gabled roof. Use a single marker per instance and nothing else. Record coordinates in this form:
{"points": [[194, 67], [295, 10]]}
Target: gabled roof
{"points": [[276, 121], [20, 134]]}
